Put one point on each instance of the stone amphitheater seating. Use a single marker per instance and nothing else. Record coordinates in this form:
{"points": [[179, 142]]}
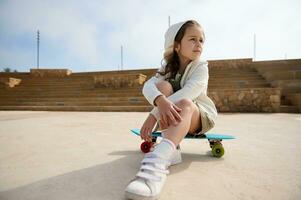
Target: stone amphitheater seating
{"points": [[284, 74], [234, 86]]}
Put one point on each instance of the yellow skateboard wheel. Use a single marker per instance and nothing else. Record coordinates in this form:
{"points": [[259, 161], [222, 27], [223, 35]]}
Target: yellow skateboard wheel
{"points": [[218, 150]]}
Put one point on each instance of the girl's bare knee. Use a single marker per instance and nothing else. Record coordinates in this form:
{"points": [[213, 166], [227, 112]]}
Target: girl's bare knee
{"points": [[185, 103]]}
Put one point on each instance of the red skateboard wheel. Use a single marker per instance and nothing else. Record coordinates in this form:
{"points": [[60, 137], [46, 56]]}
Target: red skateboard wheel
{"points": [[146, 146]]}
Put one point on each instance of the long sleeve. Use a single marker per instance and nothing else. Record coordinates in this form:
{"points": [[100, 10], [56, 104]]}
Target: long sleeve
{"points": [[194, 87], [150, 90]]}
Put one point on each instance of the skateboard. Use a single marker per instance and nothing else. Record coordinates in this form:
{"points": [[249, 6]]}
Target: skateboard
{"points": [[215, 141]]}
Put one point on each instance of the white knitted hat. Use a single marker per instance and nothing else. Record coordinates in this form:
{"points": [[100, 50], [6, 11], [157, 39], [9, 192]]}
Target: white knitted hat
{"points": [[171, 33], [170, 36]]}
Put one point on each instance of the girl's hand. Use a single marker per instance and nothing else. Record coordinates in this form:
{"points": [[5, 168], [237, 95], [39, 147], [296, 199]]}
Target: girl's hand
{"points": [[162, 125], [169, 112], [148, 127]]}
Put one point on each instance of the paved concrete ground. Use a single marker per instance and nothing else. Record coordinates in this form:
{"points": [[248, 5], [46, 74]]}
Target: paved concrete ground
{"points": [[92, 155]]}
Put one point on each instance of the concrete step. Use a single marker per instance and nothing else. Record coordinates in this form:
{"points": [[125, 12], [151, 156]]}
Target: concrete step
{"points": [[65, 78], [91, 81], [241, 77], [213, 81], [123, 72], [78, 103], [33, 80], [55, 86], [58, 91], [70, 95], [99, 89], [71, 99], [30, 101], [81, 108], [226, 69], [91, 87], [282, 75], [54, 83], [286, 91], [288, 109], [94, 93], [52, 88], [281, 65], [286, 83], [66, 88], [226, 73], [242, 81], [238, 85], [49, 79], [74, 100], [229, 68], [42, 92]]}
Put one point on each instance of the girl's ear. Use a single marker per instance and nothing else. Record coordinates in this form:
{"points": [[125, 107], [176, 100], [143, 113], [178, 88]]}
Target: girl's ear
{"points": [[177, 47]]}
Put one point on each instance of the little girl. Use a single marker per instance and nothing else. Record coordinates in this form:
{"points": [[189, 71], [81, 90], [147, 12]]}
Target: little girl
{"points": [[178, 93]]}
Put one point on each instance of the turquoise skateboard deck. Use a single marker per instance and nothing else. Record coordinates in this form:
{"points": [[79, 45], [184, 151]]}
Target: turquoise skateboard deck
{"points": [[136, 131], [215, 141]]}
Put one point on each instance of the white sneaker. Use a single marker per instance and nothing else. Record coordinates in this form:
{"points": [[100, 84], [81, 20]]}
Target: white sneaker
{"points": [[149, 181], [176, 157]]}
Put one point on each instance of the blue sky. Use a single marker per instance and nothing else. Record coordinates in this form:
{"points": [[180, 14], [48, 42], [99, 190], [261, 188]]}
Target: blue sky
{"points": [[87, 35]]}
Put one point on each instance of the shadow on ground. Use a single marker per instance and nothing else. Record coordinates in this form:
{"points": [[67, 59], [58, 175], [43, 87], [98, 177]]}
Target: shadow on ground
{"points": [[104, 181]]}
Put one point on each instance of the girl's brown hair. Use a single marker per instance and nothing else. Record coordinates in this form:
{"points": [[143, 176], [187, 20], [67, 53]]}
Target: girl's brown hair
{"points": [[172, 58]]}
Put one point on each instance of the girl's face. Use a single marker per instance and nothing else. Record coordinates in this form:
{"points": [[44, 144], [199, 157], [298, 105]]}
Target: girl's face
{"points": [[191, 45]]}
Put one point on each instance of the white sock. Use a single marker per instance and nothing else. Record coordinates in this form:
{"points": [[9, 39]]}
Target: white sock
{"points": [[165, 149], [163, 136], [169, 142]]}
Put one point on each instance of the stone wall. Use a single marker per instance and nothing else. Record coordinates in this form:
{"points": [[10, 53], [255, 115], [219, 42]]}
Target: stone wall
{"points": [[230, 64], [247, 100], [50, 72], [119, 81]]}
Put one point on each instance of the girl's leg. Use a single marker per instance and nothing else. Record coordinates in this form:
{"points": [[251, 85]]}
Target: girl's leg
{"points": [[191, 120], [151, 177]]}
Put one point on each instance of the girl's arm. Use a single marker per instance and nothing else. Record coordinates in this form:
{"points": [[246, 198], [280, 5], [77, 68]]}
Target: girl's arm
{"points": [[196, 85], [150, 90]]}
